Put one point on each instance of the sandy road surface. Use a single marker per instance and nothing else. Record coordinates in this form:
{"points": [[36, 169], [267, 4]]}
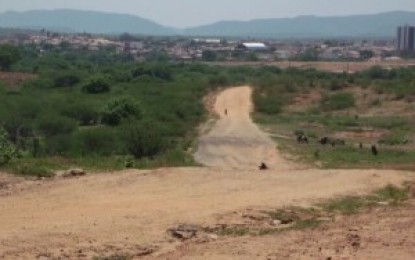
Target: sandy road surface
{"points": [[118, 213], [235, 141]]}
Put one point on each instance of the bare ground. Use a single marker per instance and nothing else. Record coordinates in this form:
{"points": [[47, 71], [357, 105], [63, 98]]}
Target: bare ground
{"points": [[383, 233], [128, 213]]}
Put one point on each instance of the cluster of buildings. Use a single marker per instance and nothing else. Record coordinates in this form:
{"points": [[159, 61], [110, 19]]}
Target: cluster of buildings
{"points": [[215, 49]]}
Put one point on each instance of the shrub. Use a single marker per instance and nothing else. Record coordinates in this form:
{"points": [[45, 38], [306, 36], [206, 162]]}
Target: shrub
{"points": [[55, 125], [96, 141], [96, 85], [268, 105], [7, 150], [338, 101], [9, 55], [377, 72], [394, 139], [145, 139], [33, 169], [119, 109], [67, 80], [156, 70], [84, 113], [59, 145]]}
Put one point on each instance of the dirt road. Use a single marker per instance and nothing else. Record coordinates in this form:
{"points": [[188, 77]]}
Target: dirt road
{"points": [[129, 212], [235, 141]]}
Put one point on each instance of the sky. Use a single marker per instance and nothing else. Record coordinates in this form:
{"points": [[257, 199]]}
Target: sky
{"points": [[187, 13]]}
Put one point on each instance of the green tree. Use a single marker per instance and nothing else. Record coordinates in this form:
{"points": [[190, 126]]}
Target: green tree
{"points": [[7, 150], [119, 109], [97, 85], [9, 55]]}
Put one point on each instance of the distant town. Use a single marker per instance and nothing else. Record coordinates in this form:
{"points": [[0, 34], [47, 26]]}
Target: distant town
{"points": [[223, 49]]}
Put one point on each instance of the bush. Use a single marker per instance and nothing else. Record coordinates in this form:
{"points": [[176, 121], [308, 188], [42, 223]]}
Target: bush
{"points": [[67, 80], [97, 141], [268, 105], [84, 113], [59, 145], [120, 109], [145, 139], [33, 169], [156, 70], [394, 139], [55, 125], [7, 150], [338, 101], [96, 85], [9, 55]]}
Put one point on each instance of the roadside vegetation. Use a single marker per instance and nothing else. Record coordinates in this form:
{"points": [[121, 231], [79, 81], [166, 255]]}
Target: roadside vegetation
{"points": [[102, 110], [356, 111]]}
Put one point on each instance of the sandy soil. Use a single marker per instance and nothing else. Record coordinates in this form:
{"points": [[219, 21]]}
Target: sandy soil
{"points": [[128, 213]]}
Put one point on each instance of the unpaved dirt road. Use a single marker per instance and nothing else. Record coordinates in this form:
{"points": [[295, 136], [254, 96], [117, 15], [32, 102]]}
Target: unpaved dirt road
{"points": [[129, 212], [235, 141]]}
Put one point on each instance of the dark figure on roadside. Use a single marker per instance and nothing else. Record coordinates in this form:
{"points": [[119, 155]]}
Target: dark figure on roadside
{"points": [[263, 166], [375, 150], [324, 140], [360, 145], [226, 112], [302, 139]]}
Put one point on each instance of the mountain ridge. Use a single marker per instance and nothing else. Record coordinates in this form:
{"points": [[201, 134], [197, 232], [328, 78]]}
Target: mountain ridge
{"points": [[304, 26]]}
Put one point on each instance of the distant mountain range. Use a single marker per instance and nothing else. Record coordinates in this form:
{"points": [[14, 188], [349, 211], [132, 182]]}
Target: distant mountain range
{"points": [[376, 25], [82, 21]]}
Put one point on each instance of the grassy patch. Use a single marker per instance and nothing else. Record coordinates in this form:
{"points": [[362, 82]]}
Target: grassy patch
{"points": [[234, 231], [354, 204], [391, 153], [35, 168], [338, 101], [307, 223], [393, 194]]}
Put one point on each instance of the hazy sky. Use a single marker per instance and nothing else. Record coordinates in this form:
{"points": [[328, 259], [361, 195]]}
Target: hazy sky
{"points": [[182, 13]]}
